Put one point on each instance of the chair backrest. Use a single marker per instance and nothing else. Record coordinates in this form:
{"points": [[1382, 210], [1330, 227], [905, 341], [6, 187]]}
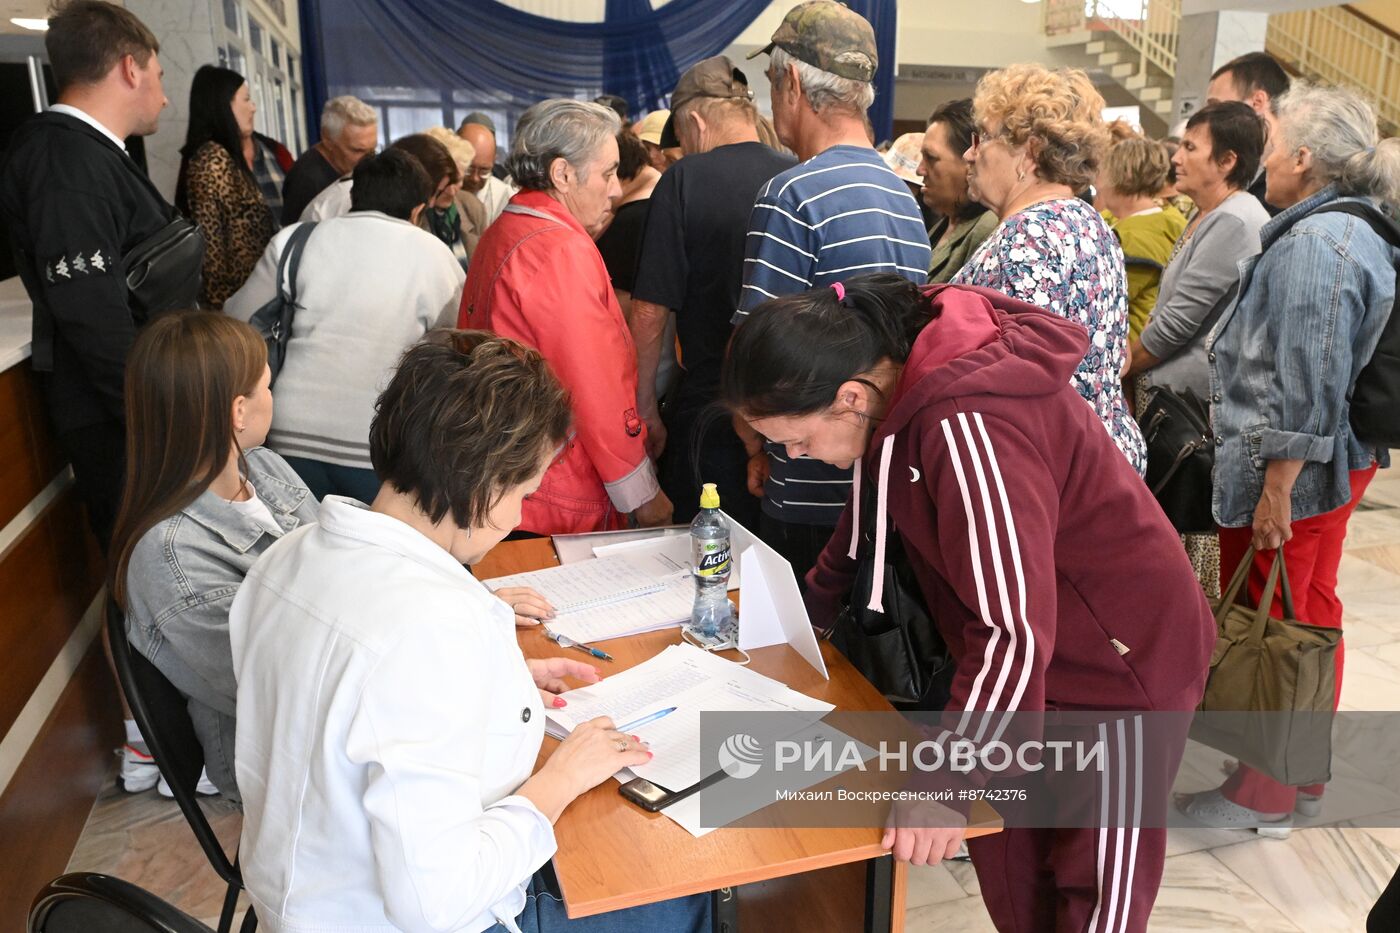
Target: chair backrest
{"points": [[85, 902], [163, 714]]}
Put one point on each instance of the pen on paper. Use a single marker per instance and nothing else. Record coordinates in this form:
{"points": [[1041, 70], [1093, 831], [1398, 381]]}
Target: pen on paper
{"points": [[565, 642], [637, 723]]}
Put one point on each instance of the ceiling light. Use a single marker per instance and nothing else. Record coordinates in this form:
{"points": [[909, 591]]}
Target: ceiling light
{"points": [[38, 25]]}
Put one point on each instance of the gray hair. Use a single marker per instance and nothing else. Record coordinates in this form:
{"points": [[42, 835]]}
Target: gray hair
{"points": [[343, 111], [823, 89], [1338, 126], [559, 128]]}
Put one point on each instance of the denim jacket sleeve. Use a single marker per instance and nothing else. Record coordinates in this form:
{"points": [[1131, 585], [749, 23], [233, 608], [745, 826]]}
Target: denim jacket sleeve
{"points": [[178, 616], [1315, 304]]}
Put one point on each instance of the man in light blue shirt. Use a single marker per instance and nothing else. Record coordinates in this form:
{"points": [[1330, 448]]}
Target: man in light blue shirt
{"points": [[840, 213]]}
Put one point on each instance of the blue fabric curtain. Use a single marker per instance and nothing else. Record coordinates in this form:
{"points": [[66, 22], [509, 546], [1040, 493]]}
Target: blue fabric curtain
{"points": [[883, 16], [448, 57], [463, 55]]}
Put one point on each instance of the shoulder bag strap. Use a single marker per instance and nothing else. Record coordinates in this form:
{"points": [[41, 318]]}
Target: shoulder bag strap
{"points": [[291, 262]]}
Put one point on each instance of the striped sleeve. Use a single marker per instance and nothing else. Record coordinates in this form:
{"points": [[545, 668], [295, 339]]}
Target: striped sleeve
{"points": [[997, 513], [780, 252]]}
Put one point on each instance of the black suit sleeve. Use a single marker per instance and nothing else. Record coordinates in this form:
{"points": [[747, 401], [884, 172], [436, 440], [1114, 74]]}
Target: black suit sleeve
{"points": [[77, 238]]}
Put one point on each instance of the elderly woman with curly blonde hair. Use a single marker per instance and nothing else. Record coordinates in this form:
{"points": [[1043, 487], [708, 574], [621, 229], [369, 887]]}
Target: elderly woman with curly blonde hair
{"points": [[1039, 138]]}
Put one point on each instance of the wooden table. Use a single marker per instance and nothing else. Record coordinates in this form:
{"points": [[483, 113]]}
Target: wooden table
{"points": [[612, 854]]}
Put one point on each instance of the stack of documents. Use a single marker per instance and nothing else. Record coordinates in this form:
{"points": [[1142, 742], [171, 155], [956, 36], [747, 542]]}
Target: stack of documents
{"points": [[612, 597], [660, 701], [688, 681]]}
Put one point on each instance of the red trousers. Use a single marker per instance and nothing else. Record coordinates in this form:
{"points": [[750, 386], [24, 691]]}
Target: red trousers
{"points": [[1312, 557]]}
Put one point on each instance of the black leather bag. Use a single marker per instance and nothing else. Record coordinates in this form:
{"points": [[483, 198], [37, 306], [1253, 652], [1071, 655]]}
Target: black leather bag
{"points": [[165, 271], [1375, 399], [1180, 457], [274, 319], [899, 650]]}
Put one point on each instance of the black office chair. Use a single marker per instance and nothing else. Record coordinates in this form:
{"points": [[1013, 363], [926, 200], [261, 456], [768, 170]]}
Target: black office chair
{"points": [[86, 902], [163, 715]]}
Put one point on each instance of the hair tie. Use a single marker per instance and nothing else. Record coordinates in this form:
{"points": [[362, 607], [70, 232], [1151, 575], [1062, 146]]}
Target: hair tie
{"points": [[840, 291]]}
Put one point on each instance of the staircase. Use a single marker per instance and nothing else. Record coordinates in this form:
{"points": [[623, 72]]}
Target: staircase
{"points": [[1132, 41], [1338, 45]]}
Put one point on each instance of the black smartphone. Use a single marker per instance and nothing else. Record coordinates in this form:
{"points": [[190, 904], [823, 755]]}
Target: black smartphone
{"points": [[645, 794]]}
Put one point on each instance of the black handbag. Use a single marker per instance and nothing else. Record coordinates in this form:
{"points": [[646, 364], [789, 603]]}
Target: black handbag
{"points": [[165, 271], [273, 321], [1180, 457], [899, 650]]}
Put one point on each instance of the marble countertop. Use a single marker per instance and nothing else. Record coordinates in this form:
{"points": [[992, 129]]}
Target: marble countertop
{"points": [[15, 316]]}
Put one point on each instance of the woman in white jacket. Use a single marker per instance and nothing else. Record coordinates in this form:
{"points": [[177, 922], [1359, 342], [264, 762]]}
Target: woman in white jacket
{"points": [[387, 721]]}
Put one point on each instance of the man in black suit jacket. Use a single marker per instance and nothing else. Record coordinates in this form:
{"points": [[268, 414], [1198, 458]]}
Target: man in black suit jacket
{"points": [[75, 204]]}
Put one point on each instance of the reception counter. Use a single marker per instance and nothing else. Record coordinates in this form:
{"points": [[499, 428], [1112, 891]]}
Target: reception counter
{"points": [[59, 714]]}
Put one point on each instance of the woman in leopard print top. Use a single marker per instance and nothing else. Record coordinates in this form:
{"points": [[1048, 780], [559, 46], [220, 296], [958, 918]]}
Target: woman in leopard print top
{"points": [[216, 187]]}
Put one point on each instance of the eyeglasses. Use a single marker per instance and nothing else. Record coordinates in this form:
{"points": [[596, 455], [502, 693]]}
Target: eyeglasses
{"points": [[981, 137], [479, 171]]}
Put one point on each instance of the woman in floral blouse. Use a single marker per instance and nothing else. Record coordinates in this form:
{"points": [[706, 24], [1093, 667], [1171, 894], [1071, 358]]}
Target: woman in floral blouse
{"points": [[1039, 138]]}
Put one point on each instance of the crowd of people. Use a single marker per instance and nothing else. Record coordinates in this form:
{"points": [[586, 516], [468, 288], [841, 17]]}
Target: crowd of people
{"points": [[577, 338]]}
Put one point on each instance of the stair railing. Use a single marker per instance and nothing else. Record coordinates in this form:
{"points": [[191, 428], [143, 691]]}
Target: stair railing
{"points": [[1338, 46], [1150, 27]]}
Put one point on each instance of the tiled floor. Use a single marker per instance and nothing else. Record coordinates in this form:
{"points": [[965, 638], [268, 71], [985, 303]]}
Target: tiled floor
{"points": [[1318, 880]]}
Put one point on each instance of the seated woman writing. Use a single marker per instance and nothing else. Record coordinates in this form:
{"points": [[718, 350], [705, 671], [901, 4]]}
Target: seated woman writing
{"points": [[1048, 568], [203, 500], [388, 724]]}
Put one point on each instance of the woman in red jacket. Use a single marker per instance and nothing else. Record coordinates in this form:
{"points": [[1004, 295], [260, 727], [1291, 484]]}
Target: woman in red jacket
{"points": [[537, 277], [1048, 568]]}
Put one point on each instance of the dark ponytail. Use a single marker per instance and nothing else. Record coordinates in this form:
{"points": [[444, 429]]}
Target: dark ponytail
{"points": [[792, 354]]}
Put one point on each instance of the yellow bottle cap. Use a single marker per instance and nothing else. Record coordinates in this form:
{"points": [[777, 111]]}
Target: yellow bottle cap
{"points": [[709, 497]]}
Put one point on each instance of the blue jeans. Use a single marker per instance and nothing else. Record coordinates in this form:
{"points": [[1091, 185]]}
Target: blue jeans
{"points": [[544, 913], [331, 479]]}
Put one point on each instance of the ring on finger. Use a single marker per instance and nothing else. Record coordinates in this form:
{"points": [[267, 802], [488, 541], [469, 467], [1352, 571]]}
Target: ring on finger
{"points": [[621, 744]]}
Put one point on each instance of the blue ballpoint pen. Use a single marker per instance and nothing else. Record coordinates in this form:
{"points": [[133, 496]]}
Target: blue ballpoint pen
{"points": [[637, 723], [566, 642]]}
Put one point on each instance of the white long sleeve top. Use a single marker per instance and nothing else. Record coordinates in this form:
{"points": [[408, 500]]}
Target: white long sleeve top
{"points": [[386, 718], [369, 287]]}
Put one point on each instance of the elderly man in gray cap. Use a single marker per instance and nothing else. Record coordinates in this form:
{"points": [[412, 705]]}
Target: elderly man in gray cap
{"points": [[838, 214], [692, 263]]}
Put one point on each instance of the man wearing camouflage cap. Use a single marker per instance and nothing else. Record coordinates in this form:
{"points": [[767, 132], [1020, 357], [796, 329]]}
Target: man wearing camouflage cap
{"points": [[692, 263], [839, 213]]}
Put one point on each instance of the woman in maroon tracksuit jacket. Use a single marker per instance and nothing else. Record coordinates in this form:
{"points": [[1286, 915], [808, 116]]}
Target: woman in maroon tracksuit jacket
{"points": [[1049, 569]]}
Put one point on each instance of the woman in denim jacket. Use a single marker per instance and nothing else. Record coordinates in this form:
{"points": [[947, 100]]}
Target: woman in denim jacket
{"points": [[203, 500], [1288, 471]]}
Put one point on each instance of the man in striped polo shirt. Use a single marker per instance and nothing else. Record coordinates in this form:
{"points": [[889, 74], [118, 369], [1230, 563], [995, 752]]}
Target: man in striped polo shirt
{"points": [[839, 213]]}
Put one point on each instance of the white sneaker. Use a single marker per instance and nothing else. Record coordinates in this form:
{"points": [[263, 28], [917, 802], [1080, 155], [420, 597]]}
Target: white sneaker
{"points": [[204, 787], [139, 772], [1212, 808]]}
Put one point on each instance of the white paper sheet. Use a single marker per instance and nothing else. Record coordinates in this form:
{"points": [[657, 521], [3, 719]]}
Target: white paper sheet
{"points": [[574, 548], [573, 587], [669, 607], [771, 611], [694, 682]]}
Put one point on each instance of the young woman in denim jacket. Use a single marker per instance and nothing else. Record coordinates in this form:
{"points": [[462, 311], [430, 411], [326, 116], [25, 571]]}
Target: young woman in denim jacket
{"points": [[1288, 471], [203, 500]]}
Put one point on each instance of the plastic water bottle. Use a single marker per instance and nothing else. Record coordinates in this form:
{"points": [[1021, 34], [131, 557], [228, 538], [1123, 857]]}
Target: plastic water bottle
{"points": [[712, 618]]}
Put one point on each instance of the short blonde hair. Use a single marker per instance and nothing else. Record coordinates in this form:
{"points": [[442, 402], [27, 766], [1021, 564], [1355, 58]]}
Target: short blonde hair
{"points": [[1136, 166], [1059, 111], [462, 152]]}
